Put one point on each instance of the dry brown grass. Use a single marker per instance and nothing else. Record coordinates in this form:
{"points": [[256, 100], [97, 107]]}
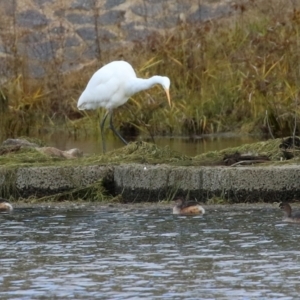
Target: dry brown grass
{"points": [[236, 74]]}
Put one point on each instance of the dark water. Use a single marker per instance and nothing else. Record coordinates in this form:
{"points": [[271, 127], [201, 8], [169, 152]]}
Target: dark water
{"points": [[127, 252], [186, 146]]}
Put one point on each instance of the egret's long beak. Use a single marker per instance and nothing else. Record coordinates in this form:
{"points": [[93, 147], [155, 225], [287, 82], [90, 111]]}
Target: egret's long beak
{"points": [[168, 96]]}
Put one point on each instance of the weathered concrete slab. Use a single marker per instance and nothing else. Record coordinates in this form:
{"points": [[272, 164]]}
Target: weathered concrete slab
{"points": [[239, 184], [139, 182], [41, 181]]}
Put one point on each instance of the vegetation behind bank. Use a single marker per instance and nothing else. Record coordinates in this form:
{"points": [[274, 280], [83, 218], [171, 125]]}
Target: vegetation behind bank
{"points": [[240, 73]]}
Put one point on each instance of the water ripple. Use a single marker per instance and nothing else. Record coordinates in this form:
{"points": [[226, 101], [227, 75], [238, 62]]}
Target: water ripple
{"points": [[67, 253]]}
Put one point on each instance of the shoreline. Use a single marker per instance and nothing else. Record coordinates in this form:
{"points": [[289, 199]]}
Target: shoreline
{"points": [[135, 182]]}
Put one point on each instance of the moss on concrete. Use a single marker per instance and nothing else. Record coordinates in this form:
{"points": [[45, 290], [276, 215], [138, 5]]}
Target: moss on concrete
{"points": [[28, 173]]}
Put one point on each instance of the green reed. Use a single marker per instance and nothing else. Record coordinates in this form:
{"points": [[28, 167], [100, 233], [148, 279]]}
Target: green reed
{"points": [[240, 73]]}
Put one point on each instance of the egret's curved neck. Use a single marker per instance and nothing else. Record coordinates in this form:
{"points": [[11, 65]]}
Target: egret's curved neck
{"points": [[139, 84]]}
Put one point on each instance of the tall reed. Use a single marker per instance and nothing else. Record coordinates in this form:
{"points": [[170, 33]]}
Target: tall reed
{"points": [[240, 73]]}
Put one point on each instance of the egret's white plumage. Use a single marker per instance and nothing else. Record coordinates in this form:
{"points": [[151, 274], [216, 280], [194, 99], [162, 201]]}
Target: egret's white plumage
{"points": [[112, 85]]}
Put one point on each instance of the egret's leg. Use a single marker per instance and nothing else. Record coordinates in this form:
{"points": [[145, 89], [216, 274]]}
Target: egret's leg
{"points": [[102, 131], [114, 130]]}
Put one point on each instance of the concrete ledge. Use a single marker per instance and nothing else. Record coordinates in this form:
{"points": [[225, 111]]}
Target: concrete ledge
{"points": [[41, 181], [138, 182], [238, 184]]}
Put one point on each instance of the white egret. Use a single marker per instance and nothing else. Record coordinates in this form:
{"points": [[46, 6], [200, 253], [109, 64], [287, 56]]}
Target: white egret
{"points": [[111, 86]]}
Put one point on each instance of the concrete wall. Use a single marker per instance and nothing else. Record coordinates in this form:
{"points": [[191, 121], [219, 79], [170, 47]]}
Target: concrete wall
{"points": [[150, 183], [70, 33]]}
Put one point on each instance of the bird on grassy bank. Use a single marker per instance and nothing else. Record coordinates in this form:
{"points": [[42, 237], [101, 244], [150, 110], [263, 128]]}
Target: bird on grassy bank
{"points": [[111, 86], [187, 208], [288, 215], [5, 206]]}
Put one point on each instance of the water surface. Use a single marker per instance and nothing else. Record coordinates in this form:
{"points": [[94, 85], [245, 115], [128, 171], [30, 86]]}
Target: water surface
{"points": [[138, 252], [187, 146]]}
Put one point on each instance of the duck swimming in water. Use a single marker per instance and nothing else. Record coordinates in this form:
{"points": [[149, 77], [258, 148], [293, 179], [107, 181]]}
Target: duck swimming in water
{"points": [[187, 208], [288, 215], [5, 206]]}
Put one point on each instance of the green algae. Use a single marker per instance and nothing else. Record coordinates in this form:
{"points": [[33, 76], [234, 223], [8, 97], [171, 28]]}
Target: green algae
{"points": [[144, 153], [269, 148], [95, 192]]}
